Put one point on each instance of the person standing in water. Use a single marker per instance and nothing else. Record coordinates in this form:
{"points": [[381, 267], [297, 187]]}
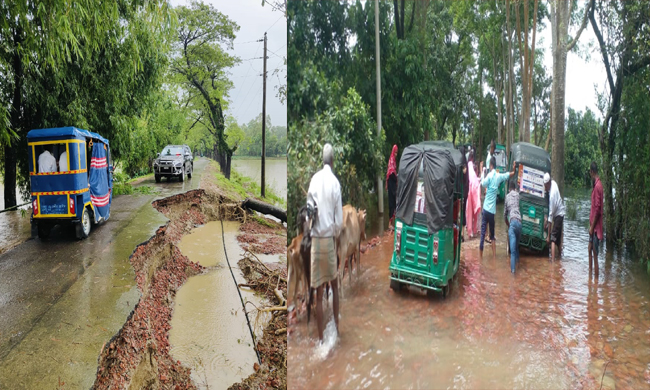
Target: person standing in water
{"points": [[473, 207], [391, 186], [491, 183], [555, 216], [513, 221], [595, 218], [325, 195]]}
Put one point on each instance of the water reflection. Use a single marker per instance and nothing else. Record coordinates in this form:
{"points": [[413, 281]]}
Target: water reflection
{"points": [[548, 326]]}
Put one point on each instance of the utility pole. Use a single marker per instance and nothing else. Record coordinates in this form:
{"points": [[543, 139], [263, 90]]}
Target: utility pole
{"points": [[380, 184], [264, 118]]}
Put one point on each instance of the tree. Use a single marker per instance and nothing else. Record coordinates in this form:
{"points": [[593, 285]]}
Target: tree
{"points": [[199, 65], [562, 44], [56, 71], [628, 48]]}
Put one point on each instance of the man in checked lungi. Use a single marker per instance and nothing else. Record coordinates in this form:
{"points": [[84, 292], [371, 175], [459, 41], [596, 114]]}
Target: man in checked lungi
{"points": [[325, 195]]}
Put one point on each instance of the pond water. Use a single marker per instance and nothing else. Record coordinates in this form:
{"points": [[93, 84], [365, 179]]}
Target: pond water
{"points": [[276, 172], [551, 325], [209, 332]]}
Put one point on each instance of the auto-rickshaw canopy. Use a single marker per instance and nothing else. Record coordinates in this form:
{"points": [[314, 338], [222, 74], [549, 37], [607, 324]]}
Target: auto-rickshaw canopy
{"points": [[530, 155], [63, 133], [440, 167]]}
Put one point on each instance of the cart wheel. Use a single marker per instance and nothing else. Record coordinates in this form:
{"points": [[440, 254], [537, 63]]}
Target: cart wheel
{"points": [[445, 290], [181, 177], [395, 285], [82, 229], [189, 174], [431, 293], [34, 229], [44, 230], [157, 178]]}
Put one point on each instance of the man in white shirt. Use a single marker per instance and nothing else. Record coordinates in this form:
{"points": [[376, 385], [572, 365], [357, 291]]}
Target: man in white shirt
{"points": [[46, 161], [555, 216], [325, 195], [63, 162]]}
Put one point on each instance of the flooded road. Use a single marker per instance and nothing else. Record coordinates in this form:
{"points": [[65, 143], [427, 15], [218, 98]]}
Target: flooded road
{"points": [[548, 326], [276, 172], [62, 299], [209, 332]]}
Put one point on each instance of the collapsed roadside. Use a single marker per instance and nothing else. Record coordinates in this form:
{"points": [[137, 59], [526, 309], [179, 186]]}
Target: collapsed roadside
{"points": [[138, 356]]}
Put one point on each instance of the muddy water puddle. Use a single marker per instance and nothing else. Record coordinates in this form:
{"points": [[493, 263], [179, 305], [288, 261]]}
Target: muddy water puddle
{"points": [[209, 332], [549, 326]]}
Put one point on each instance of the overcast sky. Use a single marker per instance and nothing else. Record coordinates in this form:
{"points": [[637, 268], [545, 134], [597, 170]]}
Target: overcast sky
{"points": [[253, 20], [583, 71]]}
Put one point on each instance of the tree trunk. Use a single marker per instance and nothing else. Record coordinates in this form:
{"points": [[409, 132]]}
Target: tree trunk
{"points": [[11, 158], [498, 91], [511, 75], [561, 27], [224, 159]]}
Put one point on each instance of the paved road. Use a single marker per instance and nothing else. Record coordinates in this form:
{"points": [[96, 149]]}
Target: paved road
{"points": [[61, 299]]}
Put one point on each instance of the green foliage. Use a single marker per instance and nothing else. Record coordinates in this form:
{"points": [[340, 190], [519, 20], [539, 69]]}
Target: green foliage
{"points": [[199, 66], [580, 147], [122, 189], [571, 208], [251, 144], [240, 187], [358, 156]]}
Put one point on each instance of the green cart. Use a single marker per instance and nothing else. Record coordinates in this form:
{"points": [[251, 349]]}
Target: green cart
{"points": [[427, 220], [531, 163]]}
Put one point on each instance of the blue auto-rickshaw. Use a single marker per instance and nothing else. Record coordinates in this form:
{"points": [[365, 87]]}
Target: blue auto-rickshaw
{"points": [[71, 178]]}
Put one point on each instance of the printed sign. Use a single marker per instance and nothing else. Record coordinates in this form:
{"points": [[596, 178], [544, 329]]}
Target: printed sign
{"points": [[420, 206], [531, 181]]}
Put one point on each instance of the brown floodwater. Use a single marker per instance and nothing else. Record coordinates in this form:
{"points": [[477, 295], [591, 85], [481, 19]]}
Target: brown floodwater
{"points": [[549, 326], [209, 332]]}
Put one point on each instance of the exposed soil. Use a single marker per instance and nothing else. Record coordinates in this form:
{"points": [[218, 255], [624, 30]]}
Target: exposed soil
{"points": [[272, 347], [137, 357]]}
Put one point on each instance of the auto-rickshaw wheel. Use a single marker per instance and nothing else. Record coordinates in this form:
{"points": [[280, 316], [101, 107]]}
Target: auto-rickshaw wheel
{"points": [[44, 229], [82, 229], [446, 289], [395, 285]]}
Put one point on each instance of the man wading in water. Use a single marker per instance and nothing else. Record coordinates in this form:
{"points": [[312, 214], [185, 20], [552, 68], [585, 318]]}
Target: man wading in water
{"points": [[491, 182], [325, 195]]}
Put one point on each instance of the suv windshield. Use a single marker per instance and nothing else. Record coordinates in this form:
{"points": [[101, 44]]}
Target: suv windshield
{"points": [[172, 151]]}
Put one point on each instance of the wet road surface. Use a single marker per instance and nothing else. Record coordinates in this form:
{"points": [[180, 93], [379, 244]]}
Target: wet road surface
{"points": [[549, 326], [61, 299]]}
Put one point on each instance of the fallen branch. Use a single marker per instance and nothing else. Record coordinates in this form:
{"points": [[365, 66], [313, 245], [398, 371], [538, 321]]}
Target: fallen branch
{"points": [[247, 252], [280, 297], [247, 285], [280, 331], [274, 308]]}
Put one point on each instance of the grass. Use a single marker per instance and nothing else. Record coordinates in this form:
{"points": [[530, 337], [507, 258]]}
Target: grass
{"points": [[571, 208], [241, 187], [131, 180]]}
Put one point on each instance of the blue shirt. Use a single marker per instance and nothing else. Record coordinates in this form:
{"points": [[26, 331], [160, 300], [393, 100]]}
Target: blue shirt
{"points": [[491, 182]]}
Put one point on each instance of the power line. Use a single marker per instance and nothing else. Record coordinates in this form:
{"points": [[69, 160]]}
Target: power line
{"points": [[242, 43], [267, 30], [251, 67]]}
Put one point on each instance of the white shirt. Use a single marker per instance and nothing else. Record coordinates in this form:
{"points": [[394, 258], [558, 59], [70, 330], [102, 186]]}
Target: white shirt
{"points": [[63, 162], [46, 162], [555, 204], [325, 193]]}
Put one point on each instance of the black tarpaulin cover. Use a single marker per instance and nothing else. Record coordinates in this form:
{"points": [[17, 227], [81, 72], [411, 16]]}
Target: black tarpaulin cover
{"points": [[439, 171]]}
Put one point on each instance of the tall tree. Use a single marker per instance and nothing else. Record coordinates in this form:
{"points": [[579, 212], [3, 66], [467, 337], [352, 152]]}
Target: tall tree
{"points": [[56, 70], [560, 19], [624, 57], [199, 65]]}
